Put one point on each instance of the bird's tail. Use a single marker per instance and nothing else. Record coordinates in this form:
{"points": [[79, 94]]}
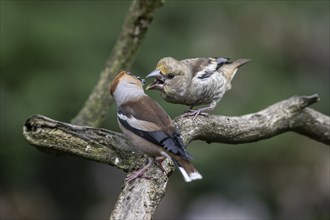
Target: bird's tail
{"points": [[230, 69], [188, 171]]}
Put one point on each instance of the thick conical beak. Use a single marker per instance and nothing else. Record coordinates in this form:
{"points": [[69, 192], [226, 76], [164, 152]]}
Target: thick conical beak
{"points": [[155, 73], [159, 80]]}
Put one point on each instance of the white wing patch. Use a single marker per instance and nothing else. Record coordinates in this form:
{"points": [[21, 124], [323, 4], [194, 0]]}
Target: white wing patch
{"points": [[139, 124], [208, 68]]}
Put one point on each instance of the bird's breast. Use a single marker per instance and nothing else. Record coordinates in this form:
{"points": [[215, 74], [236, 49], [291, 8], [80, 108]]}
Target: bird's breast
{"points": [[199, 92]]}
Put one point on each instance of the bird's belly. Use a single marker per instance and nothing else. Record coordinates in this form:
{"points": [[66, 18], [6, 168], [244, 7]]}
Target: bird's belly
{"points": [[209, 90], [202, 93]]}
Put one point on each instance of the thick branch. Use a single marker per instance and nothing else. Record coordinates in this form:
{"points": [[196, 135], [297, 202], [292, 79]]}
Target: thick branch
{"points": [[95, 144], [136, 24], [287, 115], [112, 148], [141, 197]]}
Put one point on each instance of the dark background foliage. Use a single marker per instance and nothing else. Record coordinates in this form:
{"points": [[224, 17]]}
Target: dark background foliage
{"points": [[51, 56]]}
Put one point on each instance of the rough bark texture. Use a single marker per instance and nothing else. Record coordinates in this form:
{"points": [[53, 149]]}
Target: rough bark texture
{"points": [[287, 115], [141, 197], [136, 24]]}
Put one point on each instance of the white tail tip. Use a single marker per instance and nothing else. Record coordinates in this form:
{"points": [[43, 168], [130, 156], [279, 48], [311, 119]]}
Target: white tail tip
{"points": [[190, 177]]}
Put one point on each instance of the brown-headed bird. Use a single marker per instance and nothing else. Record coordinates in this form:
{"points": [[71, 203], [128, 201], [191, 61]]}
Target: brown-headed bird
{"points": [[148, 126], [195, 81]]}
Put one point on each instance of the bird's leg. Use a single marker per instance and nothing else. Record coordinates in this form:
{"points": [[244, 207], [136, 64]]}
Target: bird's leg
{"points": [[200, 111], [140, 172], [191, 112], [159, 161], [196, 112]]}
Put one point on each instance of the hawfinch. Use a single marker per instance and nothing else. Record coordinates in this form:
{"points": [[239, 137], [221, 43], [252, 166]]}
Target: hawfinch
{"points": [[196, 81], [148, 126]]}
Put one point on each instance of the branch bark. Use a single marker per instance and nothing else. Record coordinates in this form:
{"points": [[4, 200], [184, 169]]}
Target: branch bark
{"points": [[137, 22], [141, 197], [284, 116]]}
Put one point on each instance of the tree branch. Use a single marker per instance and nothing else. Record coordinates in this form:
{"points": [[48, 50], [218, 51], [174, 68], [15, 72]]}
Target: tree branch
{"points": [[137, 22], [141, 197], [95, 144], [284, 116]]}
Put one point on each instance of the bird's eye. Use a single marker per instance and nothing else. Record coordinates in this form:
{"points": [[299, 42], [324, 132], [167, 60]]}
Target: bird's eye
{"points": [[170, 76]]}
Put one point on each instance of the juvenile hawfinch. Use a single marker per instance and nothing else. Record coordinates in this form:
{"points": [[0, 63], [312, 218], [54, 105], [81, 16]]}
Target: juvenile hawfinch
{"points": [[196, 81], [148, 126]]}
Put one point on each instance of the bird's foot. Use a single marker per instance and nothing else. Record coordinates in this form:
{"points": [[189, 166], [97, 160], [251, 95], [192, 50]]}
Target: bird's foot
{"points": [[139, 173], [136, 175], [159, 161], [195, 113]]}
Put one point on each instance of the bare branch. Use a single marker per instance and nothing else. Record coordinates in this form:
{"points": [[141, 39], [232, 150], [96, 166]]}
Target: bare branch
{"points": [[287, 115], [112, 148], [313, 124], [96, 144], [141, 197], [136, 24]]}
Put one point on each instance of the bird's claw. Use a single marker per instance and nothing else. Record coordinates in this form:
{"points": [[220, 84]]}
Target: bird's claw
{"points": [[136, 175], [140, 173], [159, 161], [195, 113]]}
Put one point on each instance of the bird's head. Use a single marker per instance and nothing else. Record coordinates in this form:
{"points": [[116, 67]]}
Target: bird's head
{"points": [[127, 79], [124, 85], [169, 74]]}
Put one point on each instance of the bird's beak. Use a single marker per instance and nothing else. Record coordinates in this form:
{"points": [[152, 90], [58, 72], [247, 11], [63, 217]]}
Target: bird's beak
{"points": [[156, 73], [158, 84]]}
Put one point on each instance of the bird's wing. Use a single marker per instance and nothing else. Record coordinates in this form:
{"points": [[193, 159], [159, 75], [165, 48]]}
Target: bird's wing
{"points": [[201, 68], [147, 119]]}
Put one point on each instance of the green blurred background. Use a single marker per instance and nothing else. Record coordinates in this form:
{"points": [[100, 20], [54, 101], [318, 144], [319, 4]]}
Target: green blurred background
{"points": [[53, 51]]}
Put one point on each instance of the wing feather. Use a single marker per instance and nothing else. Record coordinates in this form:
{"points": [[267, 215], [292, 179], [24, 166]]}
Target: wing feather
{"points": [[154, 125]]}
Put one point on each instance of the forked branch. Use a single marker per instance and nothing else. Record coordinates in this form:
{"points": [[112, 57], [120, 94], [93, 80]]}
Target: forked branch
{"points": [[142, 196]]}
